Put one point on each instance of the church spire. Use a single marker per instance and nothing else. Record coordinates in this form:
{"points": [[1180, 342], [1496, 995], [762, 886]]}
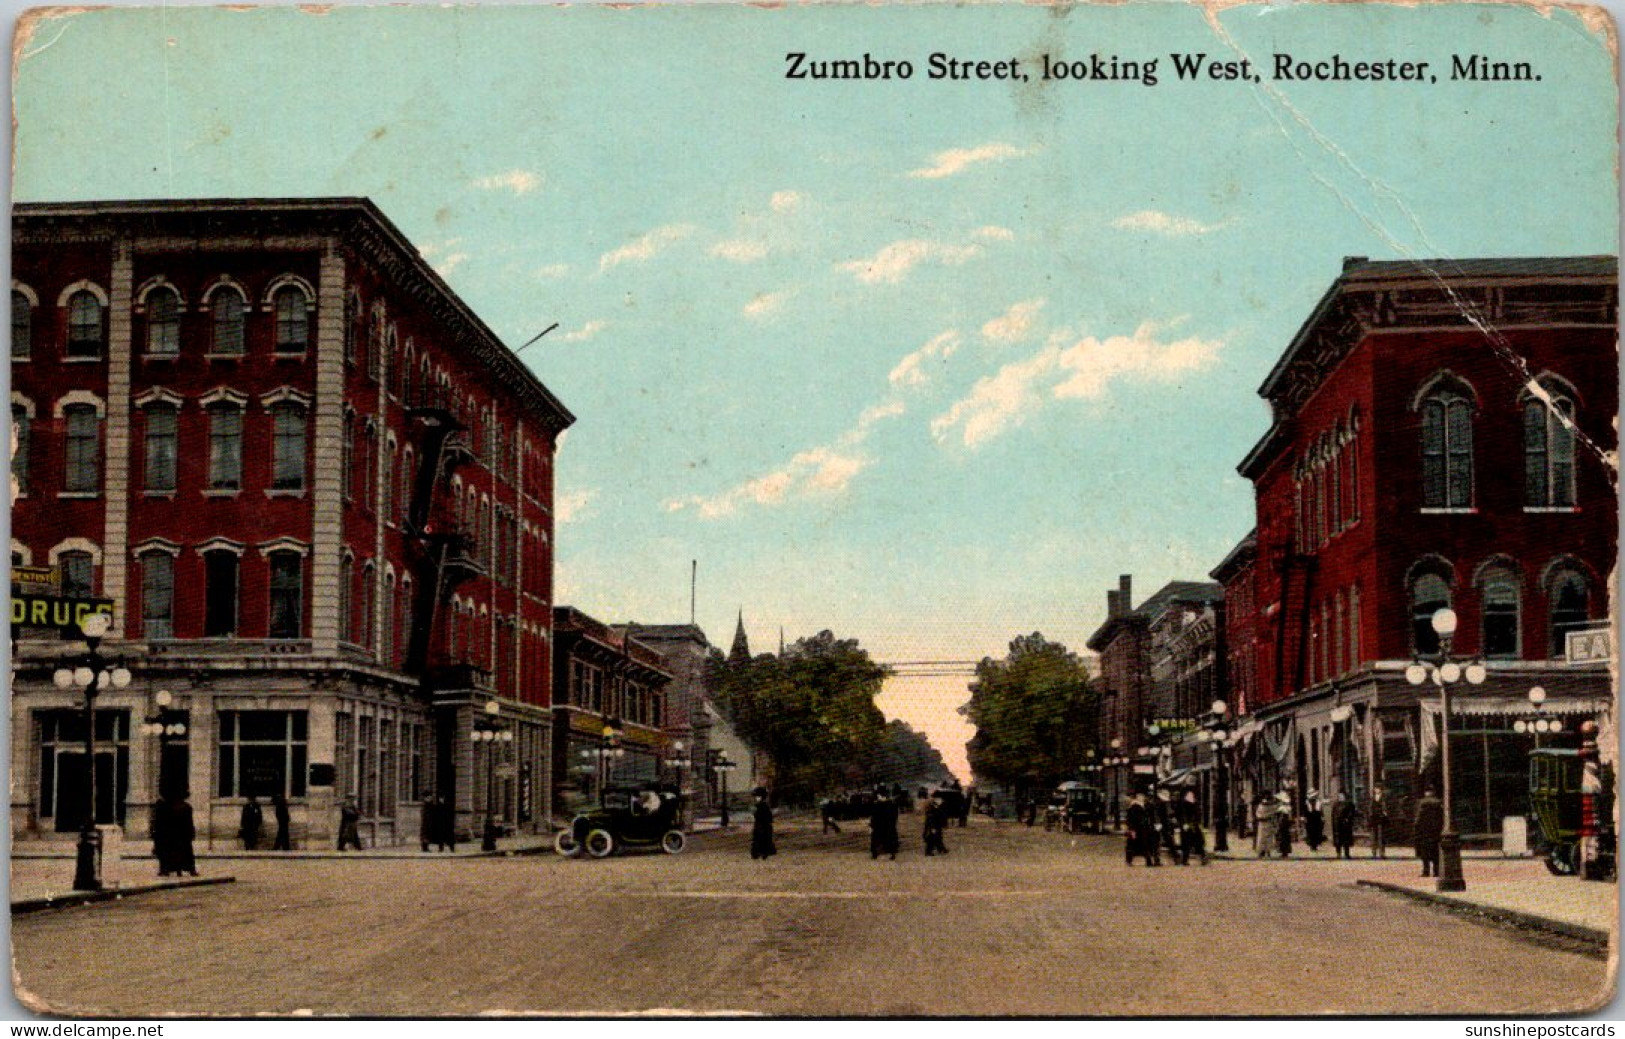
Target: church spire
{"points": [[741, 646]]}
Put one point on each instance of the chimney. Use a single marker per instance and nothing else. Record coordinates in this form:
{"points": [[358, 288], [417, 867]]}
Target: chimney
{"points": [[1125, 594], [1111, 604]]}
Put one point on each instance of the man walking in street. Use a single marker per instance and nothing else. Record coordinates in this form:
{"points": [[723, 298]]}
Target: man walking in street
{"points": [[249, 826], [1428, 827], [1141, 839], [1378, 818], [883, 838], [762, 845], [279, 811], [936, 819], [1343, 827], [349, 825]]}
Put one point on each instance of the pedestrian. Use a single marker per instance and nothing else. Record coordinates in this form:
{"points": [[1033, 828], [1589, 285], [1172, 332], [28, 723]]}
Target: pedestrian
{"points": [[1191, 839], [428, 822], [883, 839], [162, 843], [1428, 826], [349, 825], [761, 828], [1162, 818], [826, 812], [1343, 826], [445, 825], [1263, 826], [250, 824], [1314, 821], [180, 832], [279, 811], [1221, 825], [1283, 825], [1141, 838], [936, 820], [1377, 816]]}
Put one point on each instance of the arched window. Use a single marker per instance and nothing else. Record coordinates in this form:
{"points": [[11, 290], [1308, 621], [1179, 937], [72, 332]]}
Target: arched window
{"points": [[1548, 452], [227, 307], [85, 328], [1429, 595], [1570, 602], [292, 321], [22, 326], [288, 425], [347, 449], [78, 569], [162, 447], [408, 461], [163, 322], [347, 598], [386, 645], [1498, 598], [157, 595], [369, 597], [386, 508], [220, 567], [82, 449], [225, 446], [1447, 448], [287, 595], [352, 327]]}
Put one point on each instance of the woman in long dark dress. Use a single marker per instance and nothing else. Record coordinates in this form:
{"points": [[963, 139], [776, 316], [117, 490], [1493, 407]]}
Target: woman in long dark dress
{"points": [[761, 828], [182, 832]]}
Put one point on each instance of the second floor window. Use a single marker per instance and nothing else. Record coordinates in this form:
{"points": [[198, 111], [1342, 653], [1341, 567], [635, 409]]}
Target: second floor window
{"points": [[1447, 451], [163, 322], [1429, 595], [1548, 453], [219, 594], [292, 323], [1499, 596], [288, 447], [1570, 602], [161, 448], [78, 575], [84, 325], [228, 323], [225, 447], [22, 326], [83, 443], [287, 595], [157, 595]]}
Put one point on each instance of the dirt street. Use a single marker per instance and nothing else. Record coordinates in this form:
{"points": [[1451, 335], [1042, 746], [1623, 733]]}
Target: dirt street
{"points": [[1013, 921]]}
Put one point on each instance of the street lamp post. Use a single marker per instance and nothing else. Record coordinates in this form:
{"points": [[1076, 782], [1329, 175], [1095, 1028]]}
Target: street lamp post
{"points": [[609, 748], [722, 767], [92, 675], [1214, 733], [1539, 724], [1446, 672], [490, 731], [166, 724]]}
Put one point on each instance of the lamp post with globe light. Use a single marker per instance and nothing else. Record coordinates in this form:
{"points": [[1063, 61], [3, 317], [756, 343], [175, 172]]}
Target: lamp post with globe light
{"points": [[1445, 672], [490, 731], [92, 674], [1214, 732], [166, 723]]}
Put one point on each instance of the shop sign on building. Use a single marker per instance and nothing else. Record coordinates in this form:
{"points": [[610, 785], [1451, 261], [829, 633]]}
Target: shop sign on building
{"points": [[55, 611], [1589, 647]]}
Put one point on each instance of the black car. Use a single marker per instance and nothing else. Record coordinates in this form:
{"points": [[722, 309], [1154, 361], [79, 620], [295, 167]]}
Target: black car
{"points": [[626, 819]]}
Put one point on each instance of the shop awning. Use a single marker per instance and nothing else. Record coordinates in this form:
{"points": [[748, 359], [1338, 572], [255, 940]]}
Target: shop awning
{"points": [[1519, 705], [1179, 777]]}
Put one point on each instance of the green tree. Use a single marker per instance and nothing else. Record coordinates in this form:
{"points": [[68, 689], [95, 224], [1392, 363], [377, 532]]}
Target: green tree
{"points": [[905, 757], [1035, 713]]}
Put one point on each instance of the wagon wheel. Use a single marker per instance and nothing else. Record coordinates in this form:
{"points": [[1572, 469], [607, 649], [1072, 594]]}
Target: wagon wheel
{"points": [[600, 845], [565, 843], [673, 842], [1560, 860]]}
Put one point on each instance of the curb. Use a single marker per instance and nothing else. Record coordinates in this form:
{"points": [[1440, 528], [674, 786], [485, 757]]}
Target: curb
{"points": [[1594, 940], [79, 898]]}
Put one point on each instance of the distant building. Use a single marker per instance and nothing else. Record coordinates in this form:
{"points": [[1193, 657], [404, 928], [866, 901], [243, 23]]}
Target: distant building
{"points": [[688, 722], [1441, 437], [318, 492]]}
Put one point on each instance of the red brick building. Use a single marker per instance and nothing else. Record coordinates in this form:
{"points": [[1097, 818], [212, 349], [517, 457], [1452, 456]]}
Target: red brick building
{"points": [[1441, 434], [317, 489]]}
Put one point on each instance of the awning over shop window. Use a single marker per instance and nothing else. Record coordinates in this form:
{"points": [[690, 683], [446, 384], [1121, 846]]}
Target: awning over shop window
{"points": [[1481, 705]]}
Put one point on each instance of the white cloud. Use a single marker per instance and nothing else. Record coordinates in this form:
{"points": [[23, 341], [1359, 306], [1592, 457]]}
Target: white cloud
{"points": [[585, 332], [574, 505], [1063, 370], [893, 262], [910, 370], [646, 247], [739, 250], [1013, 325], [1162, 223], [520, 182], [956, 160], [877, 412], [785, 201], [766, 304], [994, 233], [551, 271], [449, 263]]}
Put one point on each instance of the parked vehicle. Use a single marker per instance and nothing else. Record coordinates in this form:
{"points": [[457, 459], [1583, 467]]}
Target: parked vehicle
{"points": [[626, 819], [1554, 799], [1082, 807]]}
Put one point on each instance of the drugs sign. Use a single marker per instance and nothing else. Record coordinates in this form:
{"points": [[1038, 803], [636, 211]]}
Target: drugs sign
{"points": [[54, 611]]}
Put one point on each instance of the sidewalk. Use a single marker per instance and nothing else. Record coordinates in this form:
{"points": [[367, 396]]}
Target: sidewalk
{"points": [[521, 844], [1523, 893]]}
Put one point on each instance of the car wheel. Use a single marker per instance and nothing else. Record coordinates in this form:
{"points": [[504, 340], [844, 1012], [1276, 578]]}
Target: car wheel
{"points": [[565, 843], [1560, 860], [600, 845], [673, 843]]}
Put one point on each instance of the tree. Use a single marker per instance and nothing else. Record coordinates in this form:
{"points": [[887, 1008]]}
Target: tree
{"points": [[810, 711], [905, 757], [1035, 713]]}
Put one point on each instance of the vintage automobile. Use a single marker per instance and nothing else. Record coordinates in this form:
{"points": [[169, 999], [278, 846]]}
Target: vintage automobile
{"points": [[1082, 808], [1554, 800], [626, 819]]}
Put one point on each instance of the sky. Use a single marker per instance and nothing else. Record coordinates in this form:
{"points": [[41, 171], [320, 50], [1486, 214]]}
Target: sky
{"points": [[924, 363]]}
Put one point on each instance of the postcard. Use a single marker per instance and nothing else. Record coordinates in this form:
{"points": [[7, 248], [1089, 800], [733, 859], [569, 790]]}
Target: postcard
{"points": [[857, 511]]}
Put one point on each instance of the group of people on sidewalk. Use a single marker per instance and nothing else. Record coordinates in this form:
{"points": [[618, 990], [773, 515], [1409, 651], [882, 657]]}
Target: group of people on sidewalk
{"points": [[883, 830], [1159, 823]]}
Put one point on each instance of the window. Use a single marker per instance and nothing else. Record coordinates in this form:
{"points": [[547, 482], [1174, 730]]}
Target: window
{"points": [[228, 323], [262, 753], [1447, 451], [83, 443], [77, 568], [1548, 453], [408, 461], [157, 595], [386, 643], [225, 447], [288, 447], [1570, 605], [346, 599], [22, 326], [220, 594], [369, 599], [1429, 595], [84, 325], [1499, 595], [161, 448], [348, 449], [292, 323], [386, 508], [163, 322], [352, 327], [20, 423], [287, 595]]}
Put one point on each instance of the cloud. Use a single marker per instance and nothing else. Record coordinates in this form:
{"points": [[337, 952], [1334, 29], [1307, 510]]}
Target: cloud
{"points": [[766, 304], [893, 262], [551, 271], [910, 370], [785, 201], [585, 332], [994, 233], [1069, 370], [574, 506], [449, 263], [646, 247], [1013, 325], [957, 160], [520, 182], [1162, 223], [739, 250]]}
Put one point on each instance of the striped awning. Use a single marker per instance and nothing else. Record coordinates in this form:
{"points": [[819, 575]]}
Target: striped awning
{"points": [[1518, 705]]}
